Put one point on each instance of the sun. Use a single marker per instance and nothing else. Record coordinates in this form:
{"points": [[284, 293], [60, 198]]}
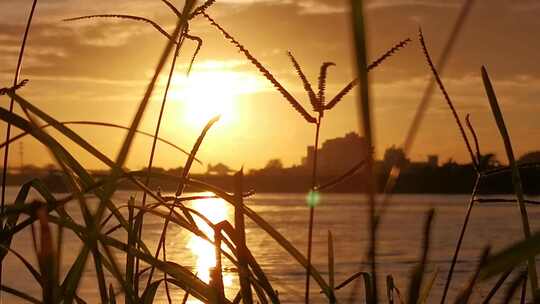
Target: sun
{"points": [[205, 94]]}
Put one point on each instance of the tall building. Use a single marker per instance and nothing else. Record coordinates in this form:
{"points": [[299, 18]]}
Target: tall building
{"points": [[337, 155]]}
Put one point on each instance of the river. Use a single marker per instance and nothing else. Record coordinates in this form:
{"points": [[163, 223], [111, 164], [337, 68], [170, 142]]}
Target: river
{"points": [[399, 243]]}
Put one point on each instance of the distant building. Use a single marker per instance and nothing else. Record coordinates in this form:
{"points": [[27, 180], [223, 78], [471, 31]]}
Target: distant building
{"points": [[218, 169], [432, 161], [337, 155]]}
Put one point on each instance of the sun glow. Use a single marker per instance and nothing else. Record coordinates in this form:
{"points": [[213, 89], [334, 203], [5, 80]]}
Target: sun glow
{"points": [[205, 94]]}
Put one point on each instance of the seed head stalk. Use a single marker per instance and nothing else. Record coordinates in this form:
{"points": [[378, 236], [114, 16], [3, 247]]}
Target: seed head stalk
{"points": [[312, 198]]}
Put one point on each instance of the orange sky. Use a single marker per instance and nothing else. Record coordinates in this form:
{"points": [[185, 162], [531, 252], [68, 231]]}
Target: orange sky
{"points": [[98, 69]]}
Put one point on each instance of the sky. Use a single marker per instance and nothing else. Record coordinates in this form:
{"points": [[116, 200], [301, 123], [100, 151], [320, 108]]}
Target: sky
{"points": [[98, 70]]}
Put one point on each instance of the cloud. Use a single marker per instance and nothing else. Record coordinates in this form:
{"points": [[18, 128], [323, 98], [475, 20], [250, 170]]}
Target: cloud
{"points": [[316, 7], [377, 4], [109, 34]]}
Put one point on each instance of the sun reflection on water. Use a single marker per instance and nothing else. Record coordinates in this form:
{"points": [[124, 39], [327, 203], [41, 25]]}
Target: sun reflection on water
{"points": [[216, 210]]}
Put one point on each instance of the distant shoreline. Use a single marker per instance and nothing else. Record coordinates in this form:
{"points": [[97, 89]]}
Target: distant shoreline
{"points": [[441, 180]]}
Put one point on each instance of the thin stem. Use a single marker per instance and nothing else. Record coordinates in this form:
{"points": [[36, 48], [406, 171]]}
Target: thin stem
{"points": [[475, 138], [165, 281], [496, 287], [8, 131], [460, 239], [448, 100], [311, 201], [523, 298], [11, 103], [153, 150], [504, 200]]}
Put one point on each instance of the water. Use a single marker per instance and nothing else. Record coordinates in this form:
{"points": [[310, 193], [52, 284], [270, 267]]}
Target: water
{"points": [[345, 215]]}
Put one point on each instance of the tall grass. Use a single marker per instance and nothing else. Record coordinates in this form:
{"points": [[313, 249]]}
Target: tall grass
{"points": [[105, 232]]}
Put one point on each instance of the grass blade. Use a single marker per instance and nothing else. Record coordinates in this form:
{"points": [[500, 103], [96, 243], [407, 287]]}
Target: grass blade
{"points": [[514, 285], [465, 295], [102, 124], [20, 294], [496, 287], [391, 288], [426, 289], [516, 178], [331, 273], [172, 8], [46, 259], [364, 115], [418, 273], [150, 292], [194, 151], [240, 229], [132, 234], [342, 177], [368, 284], [216, 276]]}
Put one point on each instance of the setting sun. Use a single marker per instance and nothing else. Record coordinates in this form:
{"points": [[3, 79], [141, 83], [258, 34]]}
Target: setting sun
{"points": [[205, 94]]}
